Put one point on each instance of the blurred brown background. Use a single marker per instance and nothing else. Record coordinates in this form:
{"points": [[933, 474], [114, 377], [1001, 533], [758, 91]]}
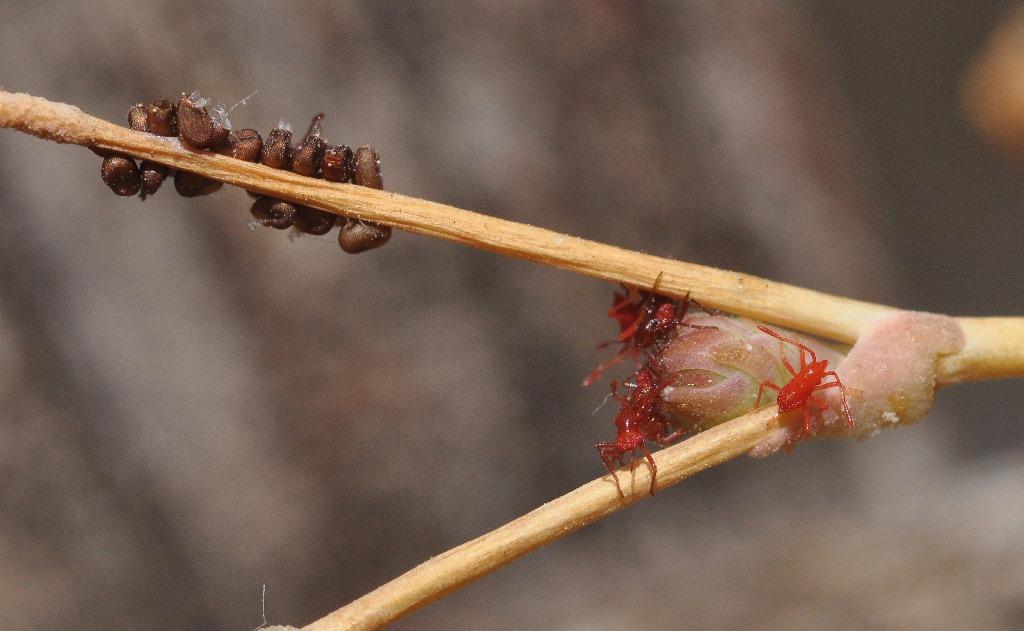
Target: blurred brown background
{"points": [[193, 409]]}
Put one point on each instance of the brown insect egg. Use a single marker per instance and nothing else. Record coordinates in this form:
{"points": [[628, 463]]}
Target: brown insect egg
{"points": [[221, 126], [153, 175], [194, 185], [306, 158], [195, 125], [274, 213], [277, 147], [121, 175], [244, 144], [367, 168], [137, 118], [161, 118], [313, 220], [358, 236], [337, 164]]}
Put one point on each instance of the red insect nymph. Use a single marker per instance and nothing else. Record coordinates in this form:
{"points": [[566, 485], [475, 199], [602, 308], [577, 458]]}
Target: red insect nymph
{"points": [[646, 320], [638, 421], [799, 391]]}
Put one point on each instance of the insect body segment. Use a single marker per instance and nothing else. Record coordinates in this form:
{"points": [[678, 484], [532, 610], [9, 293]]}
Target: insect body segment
{"points": [[799, 391], [637, 422]]}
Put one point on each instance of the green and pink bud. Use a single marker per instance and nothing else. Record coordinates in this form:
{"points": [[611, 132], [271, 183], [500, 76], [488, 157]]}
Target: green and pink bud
{"points": [[717, 365]]}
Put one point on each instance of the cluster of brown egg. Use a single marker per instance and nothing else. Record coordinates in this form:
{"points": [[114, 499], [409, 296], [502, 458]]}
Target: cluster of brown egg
{"points": [[197, 128]]}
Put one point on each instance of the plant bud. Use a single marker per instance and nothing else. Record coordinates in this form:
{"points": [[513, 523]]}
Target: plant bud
{"points": [[717, 371]]}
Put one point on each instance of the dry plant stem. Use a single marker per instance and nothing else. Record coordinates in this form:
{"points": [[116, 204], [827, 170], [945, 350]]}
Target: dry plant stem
{"points": [[994, 350], [459, 566], [989, 353], [814, 312]]}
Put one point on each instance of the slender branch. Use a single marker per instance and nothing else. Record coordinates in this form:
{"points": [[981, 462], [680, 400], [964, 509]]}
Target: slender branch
{"points": [[830, 316], [459, 566], [990, 352], [994, 350]]}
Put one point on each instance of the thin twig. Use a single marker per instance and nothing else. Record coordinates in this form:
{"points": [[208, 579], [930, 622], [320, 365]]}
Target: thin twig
{"points": [[837, 318], [459, 566], [994, 350], [989, 353]]}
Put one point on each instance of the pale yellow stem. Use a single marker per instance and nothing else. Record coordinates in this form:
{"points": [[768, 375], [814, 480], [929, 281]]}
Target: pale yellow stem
{"points": [[455, 568], [830, 316], [994, 350]]}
